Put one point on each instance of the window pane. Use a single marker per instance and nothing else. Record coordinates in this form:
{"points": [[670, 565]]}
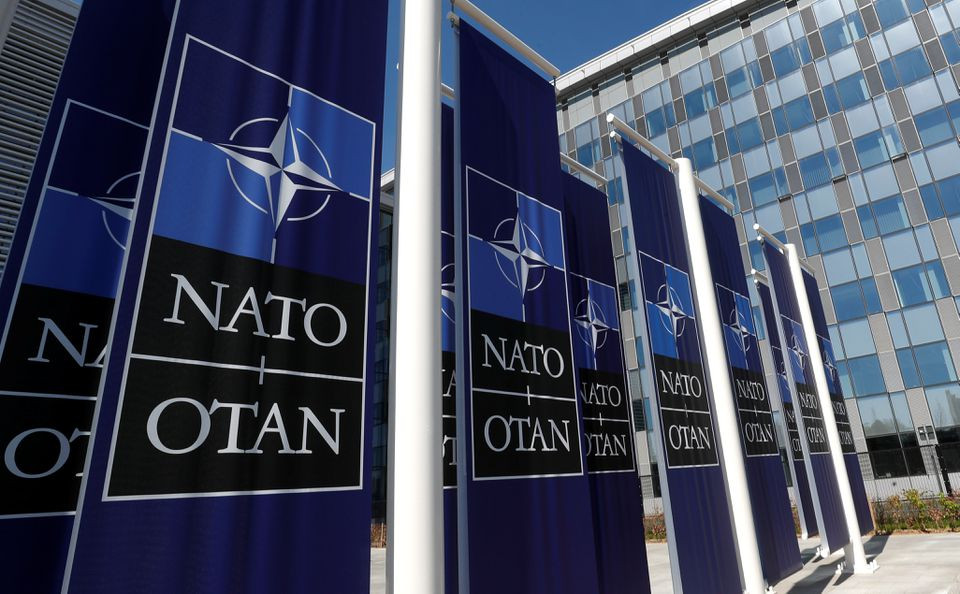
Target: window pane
{"points": [[704, 153], [950, 195], [890, 11], [908, 369], [901, 249], [935, 364], [933, 126], [911, 284], [877, 416], [799, 113], [830, 232], [866, 374], [944, 403], [868, 224], [857, 340], [749, 134], [891, 215], [871, 296], [823, 202], [901, 411], [853, 90], [839, 267], [848, 302], [871, 149], [814, 171], [931, 202], [911, 65]]}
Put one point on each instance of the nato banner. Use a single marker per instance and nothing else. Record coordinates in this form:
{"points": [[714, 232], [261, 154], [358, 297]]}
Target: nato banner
{"points": [[524, 500], [801, 484], [58, 289], [448, 353], [229, 449], [694, 492], [607, 411], [772, 517], [850, 458], [806, 404]]}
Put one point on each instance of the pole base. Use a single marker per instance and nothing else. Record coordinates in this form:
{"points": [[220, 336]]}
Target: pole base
{"points": [[863, 569]]}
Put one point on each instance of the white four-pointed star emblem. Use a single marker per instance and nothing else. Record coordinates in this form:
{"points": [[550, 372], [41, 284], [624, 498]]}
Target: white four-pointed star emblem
{"points": [[591, 324], [797, 349], [519, 254], [673, 317], [282, 167], [738, 324]]}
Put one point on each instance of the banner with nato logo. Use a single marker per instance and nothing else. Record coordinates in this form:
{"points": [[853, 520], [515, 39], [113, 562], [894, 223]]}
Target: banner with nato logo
{"points": [[801, 484], [524, 500], [691, 477], [230, 446], [806, 403], [608, 428], [59, 284], [448, 353], [772, 517], [850, 458]]}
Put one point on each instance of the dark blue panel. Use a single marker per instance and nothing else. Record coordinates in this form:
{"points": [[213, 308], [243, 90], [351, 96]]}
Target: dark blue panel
{"points": [[247, 287], [57, 291], [704, 540], [773, 519], [448, 353], [807, 403], [850, 457], [801, 487], [524, 499], [604, 397]]}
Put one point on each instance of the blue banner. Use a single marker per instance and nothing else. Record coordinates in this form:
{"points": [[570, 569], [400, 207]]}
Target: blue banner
{"points": [[850, 458], [772, 517], [448, 353], [604, 396], [230, 448], [806, 404], [524, 500], [59, 285], [691, 477], [801, 485]]}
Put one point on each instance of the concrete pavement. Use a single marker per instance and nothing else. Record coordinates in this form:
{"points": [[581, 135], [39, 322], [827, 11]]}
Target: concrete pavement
{"points": [[909, 563]]}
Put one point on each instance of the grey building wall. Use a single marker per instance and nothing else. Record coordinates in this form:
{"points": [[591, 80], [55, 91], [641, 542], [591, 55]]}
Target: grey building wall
{"points": [[34, 36]]}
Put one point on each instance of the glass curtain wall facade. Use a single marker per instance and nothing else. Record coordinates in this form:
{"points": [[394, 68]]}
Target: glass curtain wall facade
{"points": [[833, 124]]}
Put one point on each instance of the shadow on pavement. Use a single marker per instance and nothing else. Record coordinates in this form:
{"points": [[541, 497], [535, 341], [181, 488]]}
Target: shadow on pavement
{"points": [[825, 575]]}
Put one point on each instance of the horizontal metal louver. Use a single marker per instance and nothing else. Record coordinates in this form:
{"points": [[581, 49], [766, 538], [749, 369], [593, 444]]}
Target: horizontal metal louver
{"points": [[30, 62]]}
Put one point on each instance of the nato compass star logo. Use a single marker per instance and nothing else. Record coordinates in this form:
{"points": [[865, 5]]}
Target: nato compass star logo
{"points": [[672, 315], [591, 324], [119, 202], [448, 294], [740, 326], [830, 365], [797, 349], [520, 254], [283, 170]]}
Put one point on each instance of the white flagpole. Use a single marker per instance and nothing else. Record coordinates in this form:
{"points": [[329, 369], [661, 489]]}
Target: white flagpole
{"points": [[415, 478], [853, 552], [728, 429]]}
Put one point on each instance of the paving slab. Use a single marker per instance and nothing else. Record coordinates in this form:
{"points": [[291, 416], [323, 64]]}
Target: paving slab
{"points": [[909, 563]]}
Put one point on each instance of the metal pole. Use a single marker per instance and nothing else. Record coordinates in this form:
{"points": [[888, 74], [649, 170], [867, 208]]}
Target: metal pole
{"points": [[728, 429], [415, 479], [853, 552]]}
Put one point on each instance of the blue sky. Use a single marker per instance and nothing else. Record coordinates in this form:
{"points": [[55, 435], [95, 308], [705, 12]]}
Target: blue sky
{"points": [[566, 32]]}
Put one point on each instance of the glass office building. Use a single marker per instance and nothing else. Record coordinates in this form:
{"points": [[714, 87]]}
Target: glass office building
{"points": [[834, 124]]}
